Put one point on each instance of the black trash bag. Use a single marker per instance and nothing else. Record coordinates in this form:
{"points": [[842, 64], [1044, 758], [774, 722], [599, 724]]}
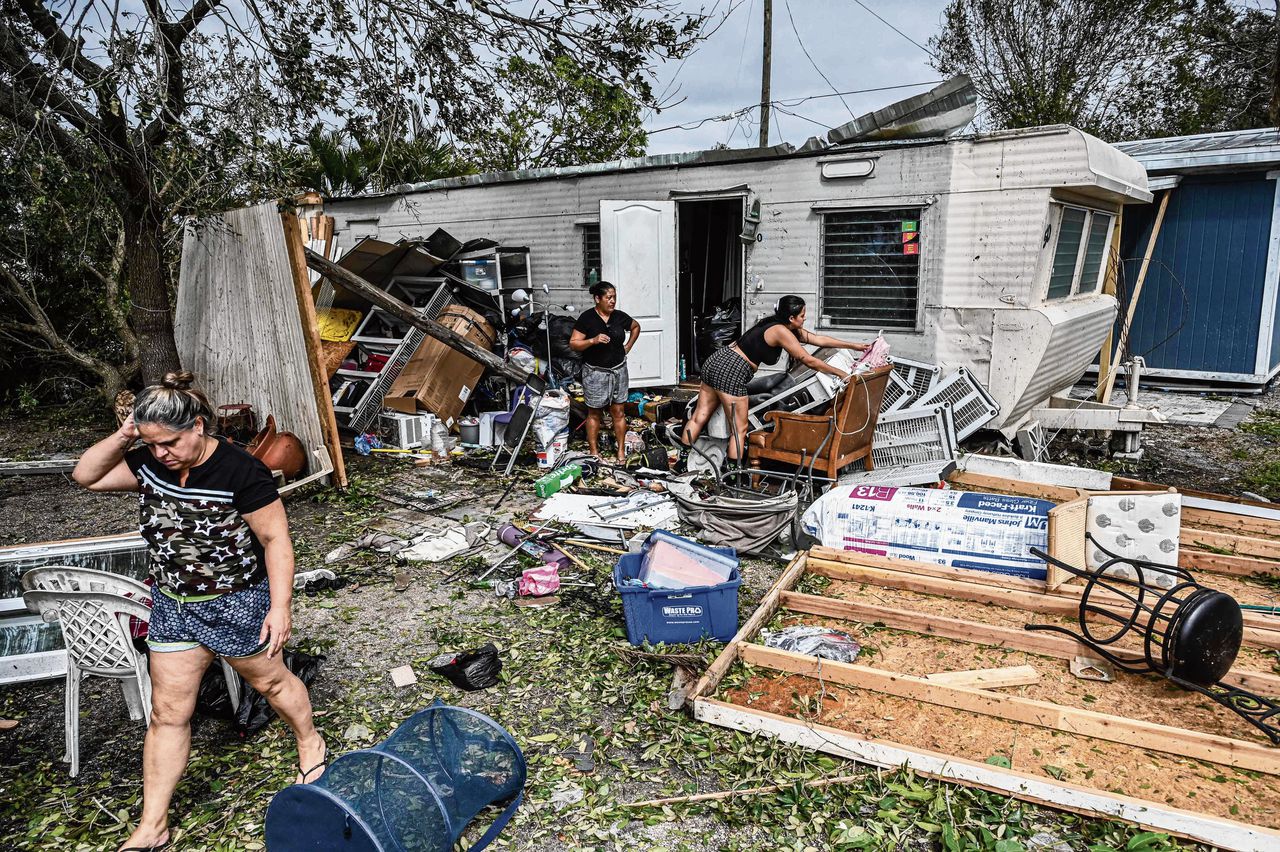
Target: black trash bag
{"points": [[470, 670], [212, 699], [254, 713]]}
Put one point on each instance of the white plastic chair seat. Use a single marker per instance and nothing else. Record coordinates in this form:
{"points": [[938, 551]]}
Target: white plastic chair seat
{"points": [[94, 609]]}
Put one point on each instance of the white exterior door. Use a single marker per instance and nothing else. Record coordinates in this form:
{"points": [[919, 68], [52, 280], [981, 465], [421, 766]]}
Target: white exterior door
{"points": [[638, 256]]}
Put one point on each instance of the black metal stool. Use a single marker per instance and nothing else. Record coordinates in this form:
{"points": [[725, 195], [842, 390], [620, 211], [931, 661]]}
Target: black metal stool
{"points": [[1190, 633]]}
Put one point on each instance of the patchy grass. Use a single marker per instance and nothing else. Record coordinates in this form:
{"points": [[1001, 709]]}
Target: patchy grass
{"points": [[1263, 421], [1264, 478]]}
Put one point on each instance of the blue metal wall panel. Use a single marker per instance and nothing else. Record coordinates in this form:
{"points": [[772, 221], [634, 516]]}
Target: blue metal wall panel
{"points": [[1202, 300]]}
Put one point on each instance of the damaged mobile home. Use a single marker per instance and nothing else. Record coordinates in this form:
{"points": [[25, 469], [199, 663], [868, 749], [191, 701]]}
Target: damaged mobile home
{"points": [[986, 252]]}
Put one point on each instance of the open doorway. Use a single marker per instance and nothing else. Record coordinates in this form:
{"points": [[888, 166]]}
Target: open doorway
{"points": [[710, 277]]}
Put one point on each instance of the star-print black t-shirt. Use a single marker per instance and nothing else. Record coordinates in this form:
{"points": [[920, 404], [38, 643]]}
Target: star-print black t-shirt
{"points": [[197, 538], [605, 355]]}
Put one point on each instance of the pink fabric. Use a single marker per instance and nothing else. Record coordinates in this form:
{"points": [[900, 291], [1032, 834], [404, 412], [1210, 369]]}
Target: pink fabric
{"points": [[875, 357], [542, 580]]}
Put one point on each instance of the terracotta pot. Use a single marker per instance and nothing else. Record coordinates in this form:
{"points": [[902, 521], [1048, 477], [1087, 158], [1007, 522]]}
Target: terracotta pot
{"points": [[280, 451]]}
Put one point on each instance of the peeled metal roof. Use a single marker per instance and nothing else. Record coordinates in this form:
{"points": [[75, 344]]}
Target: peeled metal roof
{"points": [[1259, 147]]}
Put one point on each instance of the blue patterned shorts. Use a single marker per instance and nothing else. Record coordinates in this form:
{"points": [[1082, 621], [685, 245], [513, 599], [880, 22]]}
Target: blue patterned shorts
{"points": [[227, 625]]}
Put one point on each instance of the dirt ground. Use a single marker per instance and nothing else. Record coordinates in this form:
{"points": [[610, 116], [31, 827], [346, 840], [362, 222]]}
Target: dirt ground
{"points": [[568, 688]]}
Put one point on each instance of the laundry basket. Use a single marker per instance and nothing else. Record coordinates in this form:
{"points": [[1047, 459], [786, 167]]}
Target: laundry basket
{"points": [[414, 792]]}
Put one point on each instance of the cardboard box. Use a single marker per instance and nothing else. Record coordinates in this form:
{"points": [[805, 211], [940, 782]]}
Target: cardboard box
{"points": [[654, 410], [437, 378]]}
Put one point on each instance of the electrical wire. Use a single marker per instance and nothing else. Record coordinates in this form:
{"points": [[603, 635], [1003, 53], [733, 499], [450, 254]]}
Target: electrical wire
{"points": [[895, 29], [800, 41]]}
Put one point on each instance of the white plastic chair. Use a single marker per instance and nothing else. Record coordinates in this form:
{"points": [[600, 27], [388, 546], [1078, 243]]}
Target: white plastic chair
{"points": [[94, 609]]}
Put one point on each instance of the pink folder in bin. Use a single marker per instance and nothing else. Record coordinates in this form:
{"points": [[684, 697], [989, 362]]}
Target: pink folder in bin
{"points": [[667, 566]]}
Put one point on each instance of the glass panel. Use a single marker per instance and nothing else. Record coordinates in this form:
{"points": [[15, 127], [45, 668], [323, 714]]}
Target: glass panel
{"points": [[1070, 232], [1094, 252], [871, 268]]}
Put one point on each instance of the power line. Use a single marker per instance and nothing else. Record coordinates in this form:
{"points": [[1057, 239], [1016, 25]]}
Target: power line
{"points": [[792, 19], [785, 102], [895, 29]]}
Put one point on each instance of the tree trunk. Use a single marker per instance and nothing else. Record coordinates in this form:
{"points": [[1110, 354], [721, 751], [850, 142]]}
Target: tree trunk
{"points": [[146, 280]]}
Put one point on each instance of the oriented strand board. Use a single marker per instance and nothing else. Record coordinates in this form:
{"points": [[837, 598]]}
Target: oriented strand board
{"points": [[237, 323]]}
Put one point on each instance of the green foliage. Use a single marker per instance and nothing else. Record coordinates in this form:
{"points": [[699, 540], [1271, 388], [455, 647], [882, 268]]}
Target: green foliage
{"points": [[1264, 421], [1119, 70], [1264, 478]]}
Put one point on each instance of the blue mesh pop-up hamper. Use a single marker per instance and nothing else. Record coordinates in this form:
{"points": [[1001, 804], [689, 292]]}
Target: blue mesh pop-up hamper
{"points": [[414, 792]]}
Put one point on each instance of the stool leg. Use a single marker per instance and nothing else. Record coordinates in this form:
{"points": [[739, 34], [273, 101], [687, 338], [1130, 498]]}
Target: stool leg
{"points": [[132, 697], [233, 683]]}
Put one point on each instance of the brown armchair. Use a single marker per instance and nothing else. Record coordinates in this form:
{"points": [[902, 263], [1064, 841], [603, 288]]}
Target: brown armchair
{"points": [[797, 437]]}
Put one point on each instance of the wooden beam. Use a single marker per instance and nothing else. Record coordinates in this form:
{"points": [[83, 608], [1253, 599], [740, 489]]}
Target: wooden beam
{"points": [[1029, 787], [1052, 603], [1133, 298], [1235, 545], [979, 633], [311, 338], [768, 606], [397, 308], [1109, 288], [987, 678], [1152, 736], [1226, 564]]}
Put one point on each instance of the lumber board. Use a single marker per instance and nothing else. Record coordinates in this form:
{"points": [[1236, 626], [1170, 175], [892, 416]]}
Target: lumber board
{"points": [[768, 606], [978, 633], [9, 467], [1152, 736], [1227, 564], [311, 339], [1237, 545], [1191, 515], [997, 678], [1073, 593], [1151, 816], [1013, 598]]}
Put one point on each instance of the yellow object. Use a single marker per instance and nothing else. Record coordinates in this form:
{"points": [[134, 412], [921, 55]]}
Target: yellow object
{"points": [[337, 324]]}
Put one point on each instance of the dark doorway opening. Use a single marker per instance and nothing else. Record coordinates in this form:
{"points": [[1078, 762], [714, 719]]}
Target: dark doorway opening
{"points": [[710, 278]]}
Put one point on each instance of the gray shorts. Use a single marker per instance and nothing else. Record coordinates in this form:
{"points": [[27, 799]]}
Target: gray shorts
{"points": [[602, 388]]}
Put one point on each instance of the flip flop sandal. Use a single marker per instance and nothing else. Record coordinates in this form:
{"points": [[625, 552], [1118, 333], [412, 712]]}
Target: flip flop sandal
{"points": [[155, 848], [323, 764]]}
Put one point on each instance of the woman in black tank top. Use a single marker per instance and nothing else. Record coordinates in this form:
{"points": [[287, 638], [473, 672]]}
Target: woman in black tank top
{"points": [[726, 373]]}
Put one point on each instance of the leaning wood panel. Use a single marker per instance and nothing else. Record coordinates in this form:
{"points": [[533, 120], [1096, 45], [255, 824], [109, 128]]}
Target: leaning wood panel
{"points": [[1153, 816], [235, 287], [978, 633], [1118, 729]]}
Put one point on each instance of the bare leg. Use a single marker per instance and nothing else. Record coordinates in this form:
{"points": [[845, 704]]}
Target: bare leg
{"points": [[619, 415], [288, 696], [593, 430], [175, 681], [707, 402], [735, 409]]}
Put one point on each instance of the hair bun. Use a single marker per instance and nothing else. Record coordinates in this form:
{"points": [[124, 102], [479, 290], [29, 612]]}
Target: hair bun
{"points": [[178, 380]]}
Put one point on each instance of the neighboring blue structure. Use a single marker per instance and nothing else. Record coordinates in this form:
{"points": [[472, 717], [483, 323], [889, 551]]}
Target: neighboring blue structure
{"points": [[1209, 307]]}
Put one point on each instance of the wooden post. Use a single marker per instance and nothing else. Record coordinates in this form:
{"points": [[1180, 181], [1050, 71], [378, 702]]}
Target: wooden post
{"points": [[395, 307], [1133, 299], [311, 337], [1109, 288], [766, 72]]}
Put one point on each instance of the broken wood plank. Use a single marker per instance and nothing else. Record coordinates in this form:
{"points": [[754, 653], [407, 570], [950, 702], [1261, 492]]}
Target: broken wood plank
{"points": [[1152, 736], [1029, 787], [980, 633], [768, 606], [987, 678], [1054, 604], [36, 466], [397, 308]]}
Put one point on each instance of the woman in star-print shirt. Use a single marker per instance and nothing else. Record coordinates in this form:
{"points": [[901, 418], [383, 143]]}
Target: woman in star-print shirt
{"points": [[218, 540]]}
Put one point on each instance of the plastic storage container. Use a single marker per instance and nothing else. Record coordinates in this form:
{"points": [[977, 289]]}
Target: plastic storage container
{"points": [[416, 790], [673, 562], [676, 615]]}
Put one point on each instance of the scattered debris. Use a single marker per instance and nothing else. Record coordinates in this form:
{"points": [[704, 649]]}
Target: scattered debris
{"points": [[814, 641], [470, 670], [403, 676]]}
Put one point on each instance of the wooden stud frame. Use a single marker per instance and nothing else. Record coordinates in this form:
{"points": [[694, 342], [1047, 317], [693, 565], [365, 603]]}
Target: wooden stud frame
{"points": [[1154, 816]]}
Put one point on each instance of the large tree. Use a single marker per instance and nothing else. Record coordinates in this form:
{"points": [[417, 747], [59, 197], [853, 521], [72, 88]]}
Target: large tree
{"points": [[1118, 69], [170, 105]]}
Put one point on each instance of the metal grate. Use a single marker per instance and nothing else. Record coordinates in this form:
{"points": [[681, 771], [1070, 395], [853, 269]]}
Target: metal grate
{"points": [[897, 393], [590, 254], [915, 437], [871, 267], [363, 415], [918, 374], [899, 477], [971, 405]]}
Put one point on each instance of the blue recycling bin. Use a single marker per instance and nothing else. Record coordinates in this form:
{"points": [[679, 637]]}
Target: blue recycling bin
{"points": [[417, 791]]}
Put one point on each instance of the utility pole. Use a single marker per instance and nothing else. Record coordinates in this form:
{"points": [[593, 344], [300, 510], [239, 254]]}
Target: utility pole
{"points": [[766, 70]]}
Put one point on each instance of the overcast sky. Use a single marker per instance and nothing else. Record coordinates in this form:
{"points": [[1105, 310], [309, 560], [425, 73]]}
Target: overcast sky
{"points": [[853, 49]]}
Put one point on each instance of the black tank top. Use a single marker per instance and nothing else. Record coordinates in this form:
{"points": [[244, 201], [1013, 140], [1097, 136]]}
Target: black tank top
{"points": [[756, 348]]}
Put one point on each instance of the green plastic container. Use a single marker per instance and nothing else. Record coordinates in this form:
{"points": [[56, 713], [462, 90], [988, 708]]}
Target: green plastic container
{"points": [[557, 480]]}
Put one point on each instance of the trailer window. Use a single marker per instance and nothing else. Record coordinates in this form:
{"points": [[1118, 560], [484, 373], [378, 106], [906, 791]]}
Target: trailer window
{"points": [[590, 254], [1079, 253], [870, 268]]}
